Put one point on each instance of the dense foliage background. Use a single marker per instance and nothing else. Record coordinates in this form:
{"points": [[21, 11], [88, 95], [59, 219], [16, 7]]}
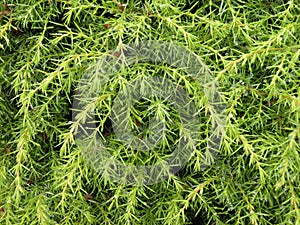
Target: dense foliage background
{"points": [[252, 48]]}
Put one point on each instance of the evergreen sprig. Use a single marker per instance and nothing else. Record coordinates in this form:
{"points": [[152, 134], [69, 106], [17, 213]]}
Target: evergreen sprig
{"points": [[252, 48]]}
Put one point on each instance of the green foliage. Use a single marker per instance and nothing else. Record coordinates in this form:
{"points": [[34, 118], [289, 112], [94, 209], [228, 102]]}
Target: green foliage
{"points": [[252, 48]]}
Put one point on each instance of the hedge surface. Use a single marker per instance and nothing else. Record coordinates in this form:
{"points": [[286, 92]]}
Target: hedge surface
{"points": [[252, 49]]}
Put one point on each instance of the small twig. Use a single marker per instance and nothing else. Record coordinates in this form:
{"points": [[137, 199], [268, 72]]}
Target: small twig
{"points": [[7, 10], [120, 5]]}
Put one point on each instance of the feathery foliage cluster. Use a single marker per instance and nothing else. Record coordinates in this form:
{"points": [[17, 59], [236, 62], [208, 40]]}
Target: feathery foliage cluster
{"points": [[252, 49]]}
